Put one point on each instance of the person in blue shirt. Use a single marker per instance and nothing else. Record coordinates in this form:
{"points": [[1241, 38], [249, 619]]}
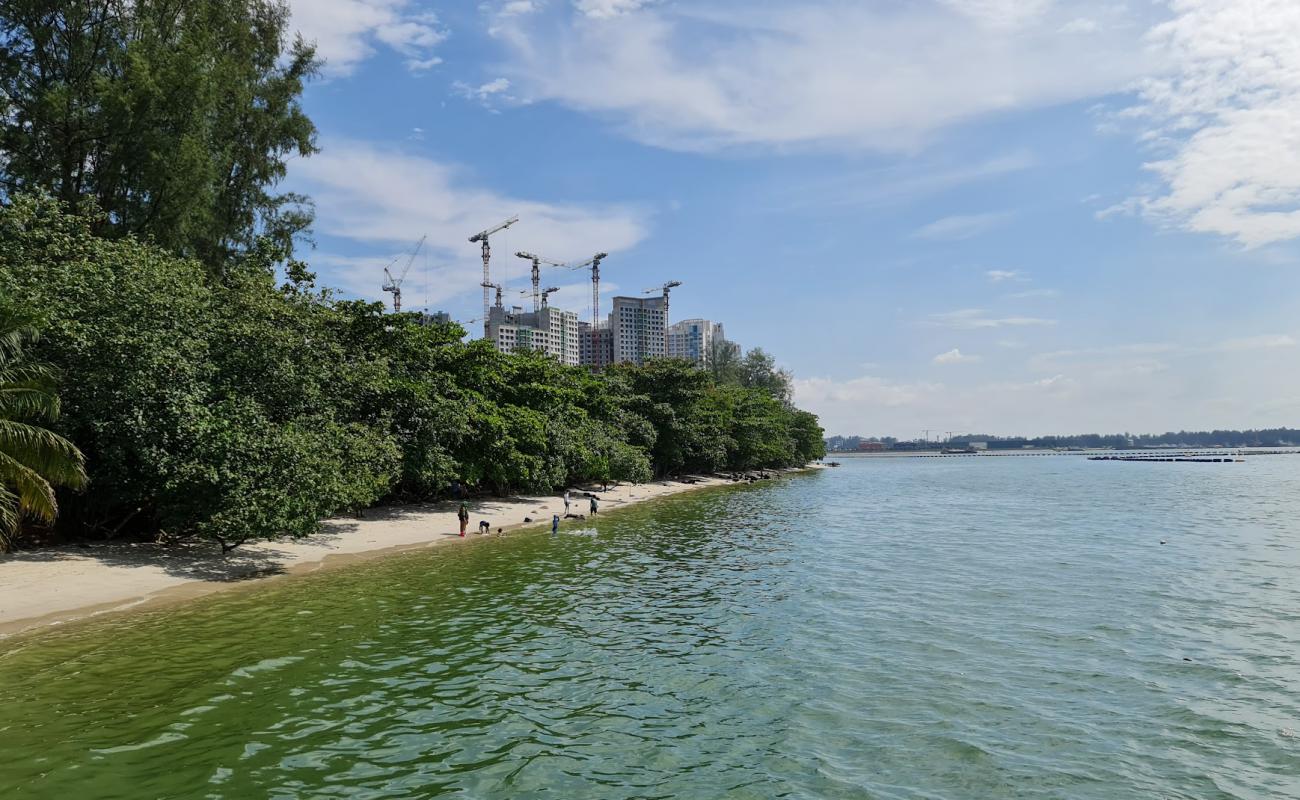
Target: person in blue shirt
{"points": [[555, 524]]}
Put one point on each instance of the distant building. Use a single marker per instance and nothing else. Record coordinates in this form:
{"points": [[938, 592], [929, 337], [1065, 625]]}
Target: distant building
{"points": [[550, 331], [638, 328], [595, 351], [436, 318], [696, 340], [871, 447]]}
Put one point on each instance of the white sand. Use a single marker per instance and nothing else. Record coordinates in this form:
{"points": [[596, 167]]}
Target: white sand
{"points": [[52, 586]]}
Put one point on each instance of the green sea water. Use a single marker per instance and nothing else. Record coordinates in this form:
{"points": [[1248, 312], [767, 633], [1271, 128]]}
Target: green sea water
{"points": [[963, 628]]}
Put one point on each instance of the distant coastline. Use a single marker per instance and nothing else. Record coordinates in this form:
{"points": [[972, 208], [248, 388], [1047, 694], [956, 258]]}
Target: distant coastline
{"points": [[1037, 451]]}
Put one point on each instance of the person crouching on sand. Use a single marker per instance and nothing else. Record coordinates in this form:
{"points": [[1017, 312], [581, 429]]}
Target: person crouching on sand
{"points": [[463, 516], [484, 526]]}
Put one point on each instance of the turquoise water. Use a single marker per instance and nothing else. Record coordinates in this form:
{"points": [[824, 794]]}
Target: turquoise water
{"points": [[964, 628]]}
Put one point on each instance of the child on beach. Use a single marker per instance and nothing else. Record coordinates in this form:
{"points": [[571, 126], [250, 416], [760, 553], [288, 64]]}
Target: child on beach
{"points": [[555, 524], [463, 516], [566, 502], [593, 505], [484, 526]]}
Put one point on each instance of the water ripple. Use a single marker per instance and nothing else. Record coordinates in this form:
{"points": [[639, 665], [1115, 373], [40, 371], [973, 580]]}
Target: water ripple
{"points": [[904, 629]]}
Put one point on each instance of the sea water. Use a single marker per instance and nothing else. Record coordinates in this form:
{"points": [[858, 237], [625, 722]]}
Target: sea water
{"points": [[895, 628]]}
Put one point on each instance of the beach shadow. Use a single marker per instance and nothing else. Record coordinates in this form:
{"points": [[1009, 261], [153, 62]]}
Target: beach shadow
{"points": [[193, 560]]}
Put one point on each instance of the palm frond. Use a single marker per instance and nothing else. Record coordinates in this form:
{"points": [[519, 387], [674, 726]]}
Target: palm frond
{"points": [[9, 518], [27, 402], [44, 452], [16, 332], [35, 494]]}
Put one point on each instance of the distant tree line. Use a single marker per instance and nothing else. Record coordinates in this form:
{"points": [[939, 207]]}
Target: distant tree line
{"points": [[1269, 437]]}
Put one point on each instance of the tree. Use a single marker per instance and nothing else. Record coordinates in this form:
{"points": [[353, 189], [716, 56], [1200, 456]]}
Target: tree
{"points": [[33, 459], [724, 360], [758, 370], [176, 117]]}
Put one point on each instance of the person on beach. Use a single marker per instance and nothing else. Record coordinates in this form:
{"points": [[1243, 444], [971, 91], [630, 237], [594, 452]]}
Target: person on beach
{"points": [[566, 502], [593, 505], [463, 516], [484, 526], [555, 524]]}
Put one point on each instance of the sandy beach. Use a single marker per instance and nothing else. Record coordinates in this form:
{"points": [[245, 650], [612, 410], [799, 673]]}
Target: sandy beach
{"points": [[52, 586]]}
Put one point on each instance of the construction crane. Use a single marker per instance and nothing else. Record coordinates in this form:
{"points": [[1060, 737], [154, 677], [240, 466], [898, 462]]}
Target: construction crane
{"points": [[394, 285], [499, 289], [482, 236], [666, 288], [594, 263], [547, 293], [538, 261]]}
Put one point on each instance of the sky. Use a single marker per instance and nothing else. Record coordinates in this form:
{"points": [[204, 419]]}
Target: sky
{"points": [[983, 216]]}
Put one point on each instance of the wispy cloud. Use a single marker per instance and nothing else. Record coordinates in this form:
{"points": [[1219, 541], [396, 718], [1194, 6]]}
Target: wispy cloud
{"points": [[485, 93], [383, 198], [1001, 275], [1266, 342], [962, 226], [967, 319], [732, 74], [347, 32], [1227, 119], [608, 9], [955, 356], [1030, 294], [895, 185]]}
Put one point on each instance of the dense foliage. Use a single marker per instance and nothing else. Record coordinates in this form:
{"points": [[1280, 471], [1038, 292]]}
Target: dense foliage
{"points": [[175, 116], [33, 459], [225, 406]]}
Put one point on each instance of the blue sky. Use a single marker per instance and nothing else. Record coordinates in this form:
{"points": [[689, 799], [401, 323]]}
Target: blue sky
{"points": [[999, 216]]}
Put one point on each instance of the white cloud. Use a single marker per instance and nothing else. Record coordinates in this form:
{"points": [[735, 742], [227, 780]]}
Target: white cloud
{"points": [[1266, 342], [608, 9], [1034, 293], [347, 31], [1239, 391], [955, 356], [1228, 119], [962, 226], [385, 199], [721, 74], [1000, 275], [517, 8], [1080, 25], [1002, 13], [894, 185], [967, 319], [484, 93]]}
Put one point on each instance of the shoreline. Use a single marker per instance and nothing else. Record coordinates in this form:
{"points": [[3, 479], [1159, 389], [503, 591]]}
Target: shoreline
{"points": [[55, 586]]}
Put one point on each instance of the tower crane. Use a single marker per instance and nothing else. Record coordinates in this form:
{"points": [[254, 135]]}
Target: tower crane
{"points": [[482, 237], [547, 293], [537, 273], [666, 288], [394, 285], [594, 263], [499, 289]]}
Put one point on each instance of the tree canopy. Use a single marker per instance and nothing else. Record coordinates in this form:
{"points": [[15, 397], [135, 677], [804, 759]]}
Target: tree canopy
{"points": [[176, 117]]}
